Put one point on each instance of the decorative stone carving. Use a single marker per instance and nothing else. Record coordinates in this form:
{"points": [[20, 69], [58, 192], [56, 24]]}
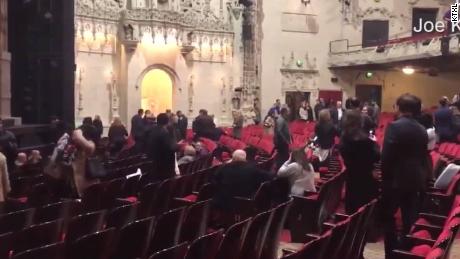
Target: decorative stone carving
{"points": [[191, 18], [114, 100], [191, 94], [303, 65], [79, 84], [298, 74]]}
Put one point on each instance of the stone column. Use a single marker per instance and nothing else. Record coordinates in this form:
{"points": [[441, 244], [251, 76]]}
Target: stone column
{"points": [[5, 63]]}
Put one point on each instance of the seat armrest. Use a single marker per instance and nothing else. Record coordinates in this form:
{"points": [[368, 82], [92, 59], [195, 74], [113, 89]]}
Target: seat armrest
{"points": [[400, 254], [434, 219], [310, 237], [180, 202], [411, 241]]}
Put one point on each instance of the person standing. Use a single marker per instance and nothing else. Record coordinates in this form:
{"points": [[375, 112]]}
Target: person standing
{"points": [[282, 137], [182, 125], [309, 112], [137, 129], [5, 186], [269, 123], [325, 132], [8, 145], [161, 149], [83, 139], [359, 154], [117, 136], [276, 108], [97, 123], [149, 119], [443, 118], [238, 121], [404, 169], [303, 113], [318, 107]]}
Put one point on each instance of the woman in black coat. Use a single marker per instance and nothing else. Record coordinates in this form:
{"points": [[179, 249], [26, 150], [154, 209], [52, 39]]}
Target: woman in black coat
{"points": [[359, 154]]}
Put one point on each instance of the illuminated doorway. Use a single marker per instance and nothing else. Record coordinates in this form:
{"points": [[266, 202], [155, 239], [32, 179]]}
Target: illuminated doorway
{"points": [[156, 91]]}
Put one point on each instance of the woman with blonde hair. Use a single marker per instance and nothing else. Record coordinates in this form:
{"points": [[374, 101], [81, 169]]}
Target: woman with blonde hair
{"points": [[117, 136], [325, 134], [299, 172]]}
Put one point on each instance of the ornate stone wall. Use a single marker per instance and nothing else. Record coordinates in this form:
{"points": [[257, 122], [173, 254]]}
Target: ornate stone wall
{"points": [[118, 40]]}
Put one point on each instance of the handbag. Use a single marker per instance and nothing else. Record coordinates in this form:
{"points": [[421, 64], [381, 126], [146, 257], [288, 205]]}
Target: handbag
{"points": [[94, 168]]}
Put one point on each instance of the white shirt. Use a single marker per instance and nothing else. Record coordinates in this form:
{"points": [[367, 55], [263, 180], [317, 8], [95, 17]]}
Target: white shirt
{"points": [[303, 113], [300, 179], [339, 113], [432, 138]]}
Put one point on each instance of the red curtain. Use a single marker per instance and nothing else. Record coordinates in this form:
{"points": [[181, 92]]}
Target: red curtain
{"points": [[331, 95]]}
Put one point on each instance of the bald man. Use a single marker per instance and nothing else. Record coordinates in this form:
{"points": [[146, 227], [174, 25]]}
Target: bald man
{"points": [[237, 178]]}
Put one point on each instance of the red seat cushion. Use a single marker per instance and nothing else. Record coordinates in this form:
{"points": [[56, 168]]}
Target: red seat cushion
{"points": [[421, 250], [191, 197], [422, 221], [434, 254], [323, 170], [422, 234], [314, 196]]}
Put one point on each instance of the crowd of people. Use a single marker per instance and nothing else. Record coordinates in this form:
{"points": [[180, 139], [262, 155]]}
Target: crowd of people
{"points": [[406, 166]]}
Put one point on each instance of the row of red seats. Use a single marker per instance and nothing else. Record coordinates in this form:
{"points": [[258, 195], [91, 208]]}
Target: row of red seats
{"points": [[449, 150], [344, 237], [432, 235]]}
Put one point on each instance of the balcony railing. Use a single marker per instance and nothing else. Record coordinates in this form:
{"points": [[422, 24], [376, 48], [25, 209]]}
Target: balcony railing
{"points": [[343, 54]]}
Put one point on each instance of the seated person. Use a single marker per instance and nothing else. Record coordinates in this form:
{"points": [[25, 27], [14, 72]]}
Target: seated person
{"points": [[20, 164], [200, 149], [300, 173], [236, 178], [189, 155], [35, 158], [251, 154]]}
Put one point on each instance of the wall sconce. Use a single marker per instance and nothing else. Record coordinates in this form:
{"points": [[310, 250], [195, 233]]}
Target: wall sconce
{"points": [[305, 2]]}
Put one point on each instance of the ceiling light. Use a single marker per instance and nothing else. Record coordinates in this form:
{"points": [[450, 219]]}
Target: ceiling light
{"points": [[408, 70], [368, 74]]}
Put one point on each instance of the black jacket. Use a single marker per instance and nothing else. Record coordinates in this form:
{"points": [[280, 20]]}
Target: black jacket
{"points": [[326, 133], [404, 156], [137, 126], [236, 179], [161, 149], [182, 125]]}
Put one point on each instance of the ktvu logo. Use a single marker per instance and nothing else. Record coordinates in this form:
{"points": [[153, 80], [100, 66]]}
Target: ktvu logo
{"points": [[439, 26]]}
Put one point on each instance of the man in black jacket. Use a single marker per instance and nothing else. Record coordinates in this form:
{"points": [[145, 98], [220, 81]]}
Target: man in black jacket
{"points": [[137, 129], [282, 137], [182, 124], [237, 178], [404, 168], [161, 149]]}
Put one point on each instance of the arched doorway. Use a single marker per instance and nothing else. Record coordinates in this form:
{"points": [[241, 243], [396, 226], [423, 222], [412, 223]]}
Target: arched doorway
{"points": [[157, 91]]}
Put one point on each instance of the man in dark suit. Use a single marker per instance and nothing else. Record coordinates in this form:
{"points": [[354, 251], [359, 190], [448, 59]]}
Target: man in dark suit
{"points": [[182, 124], [204, 126], [404, 168], [237, 178], [137, 129], [443, 121], [282, 137], [161, 149]]}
